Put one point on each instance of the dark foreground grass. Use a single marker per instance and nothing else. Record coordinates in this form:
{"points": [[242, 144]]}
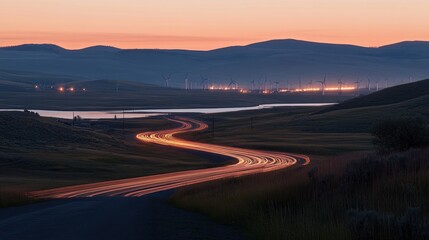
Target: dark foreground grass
{"points": [[281, 129], [14, 197], [40, 153], [352, 196]]}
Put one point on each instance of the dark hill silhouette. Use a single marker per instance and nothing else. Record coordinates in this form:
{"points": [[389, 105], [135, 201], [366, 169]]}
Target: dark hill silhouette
{"points": [[387, 96], [276, 60]]}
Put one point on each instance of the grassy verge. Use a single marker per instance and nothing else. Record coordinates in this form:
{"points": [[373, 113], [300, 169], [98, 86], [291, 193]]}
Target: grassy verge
{"points": [[341, 195], [344, 197], [281, 129], [11, 198], [41, 153]]}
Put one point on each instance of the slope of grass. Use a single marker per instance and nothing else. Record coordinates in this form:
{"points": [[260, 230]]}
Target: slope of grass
{"points": [[341, 195], [281, 129], [386, 96], [38, 152], [15, 197], [325, 201]]}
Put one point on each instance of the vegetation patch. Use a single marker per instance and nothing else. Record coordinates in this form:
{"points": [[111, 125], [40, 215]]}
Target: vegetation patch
{"points": [[11, 198], [400, 134], [347, 197]]}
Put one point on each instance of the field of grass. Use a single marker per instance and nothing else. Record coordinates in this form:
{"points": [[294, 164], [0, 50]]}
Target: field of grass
{"points": [[388, 96], [38, 153], [343, 197], [281, 129], [347, 192]]}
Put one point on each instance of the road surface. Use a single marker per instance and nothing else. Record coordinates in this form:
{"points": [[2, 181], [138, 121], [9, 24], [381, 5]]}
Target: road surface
{"points": [[99, 210], [149, 217], [248, 162]]}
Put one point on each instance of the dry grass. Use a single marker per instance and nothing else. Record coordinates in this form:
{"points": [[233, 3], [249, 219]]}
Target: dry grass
{"points": [[14, 197], [39, 153], [314, 202]]}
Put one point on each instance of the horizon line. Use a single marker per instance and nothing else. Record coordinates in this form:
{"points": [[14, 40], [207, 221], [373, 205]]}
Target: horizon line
{"points": [[207, 50]]}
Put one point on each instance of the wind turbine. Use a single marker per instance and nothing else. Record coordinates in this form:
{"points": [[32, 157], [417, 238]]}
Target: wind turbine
{"points": [[341, 83], [265, 84], [369, 85], [253, 84], [358, 86], [323, 85], [186, 82], [311, 83], [231, 83], [203, 82], [277, 85], [376, 85], [167, 79], [300, 82]]}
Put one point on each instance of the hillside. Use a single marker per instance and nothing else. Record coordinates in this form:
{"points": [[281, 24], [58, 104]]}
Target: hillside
{"points": [[264, 62], [38, 152], [18, 91], [387, 96], [315, 131]]}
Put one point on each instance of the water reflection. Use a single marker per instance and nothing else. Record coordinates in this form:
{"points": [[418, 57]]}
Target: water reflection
{"points": [[141, 113]]}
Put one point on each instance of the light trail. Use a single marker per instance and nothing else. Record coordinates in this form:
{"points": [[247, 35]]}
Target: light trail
{"points": [[248, 162]]}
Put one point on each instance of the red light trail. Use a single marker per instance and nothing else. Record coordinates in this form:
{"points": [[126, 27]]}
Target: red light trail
{"points": [[248, 162]]}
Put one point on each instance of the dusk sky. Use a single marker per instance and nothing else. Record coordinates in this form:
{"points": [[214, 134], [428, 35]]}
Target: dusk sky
{"points": [[198, 24]]}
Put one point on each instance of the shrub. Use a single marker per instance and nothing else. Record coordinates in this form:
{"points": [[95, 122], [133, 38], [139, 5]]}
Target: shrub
{"points": [[375, 225], [400, 134]]}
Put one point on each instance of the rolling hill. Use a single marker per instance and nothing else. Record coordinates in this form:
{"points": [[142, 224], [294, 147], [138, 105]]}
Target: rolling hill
{"points": [[18, 91], [359, 114], [276, 60], [387, 96]]}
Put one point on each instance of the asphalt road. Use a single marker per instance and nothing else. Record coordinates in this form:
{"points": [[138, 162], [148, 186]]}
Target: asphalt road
{"points": [[135, 208], [109, 218]]}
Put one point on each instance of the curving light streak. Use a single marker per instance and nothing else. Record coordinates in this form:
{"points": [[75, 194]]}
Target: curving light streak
{"points": [[248, 162]]}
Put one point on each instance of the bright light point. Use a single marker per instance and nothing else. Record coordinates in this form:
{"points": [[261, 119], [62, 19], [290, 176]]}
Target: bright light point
{"points": [[61, 89]]}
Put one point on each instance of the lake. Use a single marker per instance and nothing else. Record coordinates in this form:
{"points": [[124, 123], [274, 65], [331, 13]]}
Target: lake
{"points": [[141, 113]]}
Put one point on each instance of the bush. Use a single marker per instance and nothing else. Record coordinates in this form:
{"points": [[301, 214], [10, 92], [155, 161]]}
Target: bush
{"points": [[367, 225], [401, 134]]}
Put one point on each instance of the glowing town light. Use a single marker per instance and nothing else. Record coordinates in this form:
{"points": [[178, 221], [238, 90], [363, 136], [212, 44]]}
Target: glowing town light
{"points": [[36, 86], [61, 89]]}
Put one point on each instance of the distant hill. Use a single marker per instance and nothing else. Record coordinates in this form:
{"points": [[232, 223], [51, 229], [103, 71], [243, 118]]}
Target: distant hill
{"points": [[18, 91], [36, 48], [359, 114], [16, 126], [285, 61], [387, 96]]}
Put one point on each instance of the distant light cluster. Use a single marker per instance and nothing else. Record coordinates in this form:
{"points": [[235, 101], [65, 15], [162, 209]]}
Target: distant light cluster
{"points": [[281, 90], [60, 89]]}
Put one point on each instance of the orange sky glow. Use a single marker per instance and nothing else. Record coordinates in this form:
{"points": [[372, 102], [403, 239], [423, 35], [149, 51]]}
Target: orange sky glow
{"points": [[209, 24]]}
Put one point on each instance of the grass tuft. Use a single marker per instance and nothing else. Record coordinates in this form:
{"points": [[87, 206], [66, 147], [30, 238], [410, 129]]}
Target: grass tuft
{"points": [[341, 198]]}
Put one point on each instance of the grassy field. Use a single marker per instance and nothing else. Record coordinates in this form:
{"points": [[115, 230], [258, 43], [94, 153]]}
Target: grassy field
{"points": [[344, 197], [347, 192], [37, 153], [281, 129]]}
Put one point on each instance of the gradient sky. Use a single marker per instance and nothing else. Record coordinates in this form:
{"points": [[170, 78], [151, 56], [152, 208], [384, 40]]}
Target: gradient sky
{"points": [[208, 24]]}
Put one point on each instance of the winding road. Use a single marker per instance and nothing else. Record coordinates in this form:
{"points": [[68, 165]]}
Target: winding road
{"points": [[248, 162]]}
